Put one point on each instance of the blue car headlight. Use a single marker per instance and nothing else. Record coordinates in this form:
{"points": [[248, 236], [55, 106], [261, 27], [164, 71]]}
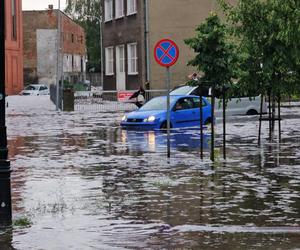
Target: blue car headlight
{"points": [[150, 119], [124, 118]]}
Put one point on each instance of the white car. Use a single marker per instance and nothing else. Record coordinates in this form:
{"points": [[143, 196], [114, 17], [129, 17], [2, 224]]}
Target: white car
{"points": [[235, 106], [35, 89]]}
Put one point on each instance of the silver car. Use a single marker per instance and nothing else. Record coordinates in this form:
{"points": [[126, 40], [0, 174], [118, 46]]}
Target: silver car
{"points": [[235, 106], [35, 89]]}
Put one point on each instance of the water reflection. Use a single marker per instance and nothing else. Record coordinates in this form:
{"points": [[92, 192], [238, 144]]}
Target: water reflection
{"points": [[156, 141], [86, 184]]}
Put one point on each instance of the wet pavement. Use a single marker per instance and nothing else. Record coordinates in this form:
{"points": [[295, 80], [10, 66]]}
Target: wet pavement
{"points": [[85, 183]]}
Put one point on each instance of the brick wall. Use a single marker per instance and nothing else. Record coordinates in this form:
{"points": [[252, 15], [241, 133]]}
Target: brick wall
{"points": [[13, 50]]}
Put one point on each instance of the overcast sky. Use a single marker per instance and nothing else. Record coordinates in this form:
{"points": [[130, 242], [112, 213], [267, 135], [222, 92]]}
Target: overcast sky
{"points": [[41, 4]]}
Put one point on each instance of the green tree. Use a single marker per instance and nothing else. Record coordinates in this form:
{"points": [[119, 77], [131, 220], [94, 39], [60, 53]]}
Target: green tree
{"points": [[268, 36], [216, 59], [215, 53], [83, 11]]}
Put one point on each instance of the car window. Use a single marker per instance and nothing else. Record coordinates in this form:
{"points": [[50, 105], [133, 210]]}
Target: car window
{"points": [[197, 103], [31, 87], [184, 103], [158, 103], [43, 87]]}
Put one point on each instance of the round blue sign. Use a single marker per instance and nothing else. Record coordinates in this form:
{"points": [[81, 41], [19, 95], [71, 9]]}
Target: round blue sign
{"points": [[166, 53]]}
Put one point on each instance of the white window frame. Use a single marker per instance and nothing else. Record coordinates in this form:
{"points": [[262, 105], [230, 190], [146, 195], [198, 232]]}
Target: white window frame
{"points": [[131, 7], [119, 9], [132, 59], [122, 59], [109, 61], [108, 10]]}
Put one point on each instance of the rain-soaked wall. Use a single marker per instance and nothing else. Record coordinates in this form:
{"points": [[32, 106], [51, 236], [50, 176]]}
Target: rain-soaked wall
{"points": [[13, 47]]}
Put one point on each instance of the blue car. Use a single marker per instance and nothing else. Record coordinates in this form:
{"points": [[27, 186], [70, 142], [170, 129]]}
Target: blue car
{"points": [[185, 112]]}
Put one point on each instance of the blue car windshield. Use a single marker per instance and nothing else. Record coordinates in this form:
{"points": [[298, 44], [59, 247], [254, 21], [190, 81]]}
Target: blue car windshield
{"points": [[158, 103]]}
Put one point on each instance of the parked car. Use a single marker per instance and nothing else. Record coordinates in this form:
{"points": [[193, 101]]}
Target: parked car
{"points": [[184, 110], [235, 106], [35, 89]]}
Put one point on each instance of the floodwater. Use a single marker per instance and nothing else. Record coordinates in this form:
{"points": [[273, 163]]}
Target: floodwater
{"points": [[86, 184]]}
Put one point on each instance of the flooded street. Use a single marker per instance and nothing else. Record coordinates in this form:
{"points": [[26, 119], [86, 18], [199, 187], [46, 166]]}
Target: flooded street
{"points": [[84, 183]]}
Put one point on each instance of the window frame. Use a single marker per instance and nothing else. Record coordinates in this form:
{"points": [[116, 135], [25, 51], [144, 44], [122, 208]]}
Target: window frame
{"points": [[131, 3], [117, 14], [108, 4], [130, 58], [14, 31], [109, 61]]}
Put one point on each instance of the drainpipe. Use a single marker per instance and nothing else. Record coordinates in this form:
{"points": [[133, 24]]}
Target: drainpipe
{"points": [[147, 43]]}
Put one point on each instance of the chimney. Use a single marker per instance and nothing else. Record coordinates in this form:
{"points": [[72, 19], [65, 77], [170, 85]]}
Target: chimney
{"points": [[50, 9]]}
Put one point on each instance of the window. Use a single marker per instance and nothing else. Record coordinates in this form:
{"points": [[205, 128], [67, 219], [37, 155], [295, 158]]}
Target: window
{"points": [[119, 8], [120, 55], [131, 7], [14, 19], [132, 59], [108, 10], [109, 62]]}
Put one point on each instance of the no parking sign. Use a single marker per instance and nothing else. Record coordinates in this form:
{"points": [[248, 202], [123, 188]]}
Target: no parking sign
{"points": [[166, 53]]}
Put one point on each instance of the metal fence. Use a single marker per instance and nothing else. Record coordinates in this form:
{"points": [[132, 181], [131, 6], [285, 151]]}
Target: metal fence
{"points": [[107, 101]]}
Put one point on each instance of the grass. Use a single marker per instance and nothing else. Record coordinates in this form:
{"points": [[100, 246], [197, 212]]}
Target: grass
{"points": [[22, 222]]}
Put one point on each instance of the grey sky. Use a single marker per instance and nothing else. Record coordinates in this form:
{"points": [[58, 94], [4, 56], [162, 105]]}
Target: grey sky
{"points": [[41, 4]]}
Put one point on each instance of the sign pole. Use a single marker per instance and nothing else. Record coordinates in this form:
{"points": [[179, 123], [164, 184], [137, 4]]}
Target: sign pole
{"points": [[166, 54], [5, 187], [168, 76]]}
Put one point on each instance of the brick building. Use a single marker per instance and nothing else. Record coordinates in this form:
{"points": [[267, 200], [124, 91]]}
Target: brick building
{"points": [[13, 47], [40, 47], [131, 29]]}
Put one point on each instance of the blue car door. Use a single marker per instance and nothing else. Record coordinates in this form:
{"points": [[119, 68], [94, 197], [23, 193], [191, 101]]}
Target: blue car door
{"points": [[184, 113], [205, 110]]}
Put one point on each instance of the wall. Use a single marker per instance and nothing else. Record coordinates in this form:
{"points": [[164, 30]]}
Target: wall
{"points": [[176, 20], [128, 29], [13, 50], [46, 55], [40, 29]]}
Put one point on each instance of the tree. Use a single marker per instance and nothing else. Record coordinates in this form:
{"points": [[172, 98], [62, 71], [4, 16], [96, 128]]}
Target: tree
{"points": [[82, 11], [216, 58], [268, 36], [215, 54]]}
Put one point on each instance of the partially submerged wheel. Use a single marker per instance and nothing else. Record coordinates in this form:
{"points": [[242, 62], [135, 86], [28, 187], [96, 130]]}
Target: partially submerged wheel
{"points": [[252, 112], [164, 125], [207, 121]]}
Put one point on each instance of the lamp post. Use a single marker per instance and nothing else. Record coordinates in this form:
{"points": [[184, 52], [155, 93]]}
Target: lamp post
{"points": [[58, 65], [5, 187], [99, 19]]}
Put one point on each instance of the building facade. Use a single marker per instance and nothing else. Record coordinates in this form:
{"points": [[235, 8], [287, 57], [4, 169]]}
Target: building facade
{"points": [[41, 46], [131, 28], [13, 47]]}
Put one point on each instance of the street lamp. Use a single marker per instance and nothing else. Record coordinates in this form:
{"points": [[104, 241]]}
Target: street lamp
{"points": [[58, 65], [5, 187], [99, 19]]}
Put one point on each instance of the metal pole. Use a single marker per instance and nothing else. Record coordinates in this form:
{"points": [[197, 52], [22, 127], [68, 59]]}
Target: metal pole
{"points": [[5, 187], [279, 118], [224, 124], [58, 70], [260, 119], [201, 124], [168, 110], [101, 53], [212, 153]]}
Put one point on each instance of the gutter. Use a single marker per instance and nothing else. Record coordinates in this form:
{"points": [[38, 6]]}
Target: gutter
{"points": [[147, 46]]}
